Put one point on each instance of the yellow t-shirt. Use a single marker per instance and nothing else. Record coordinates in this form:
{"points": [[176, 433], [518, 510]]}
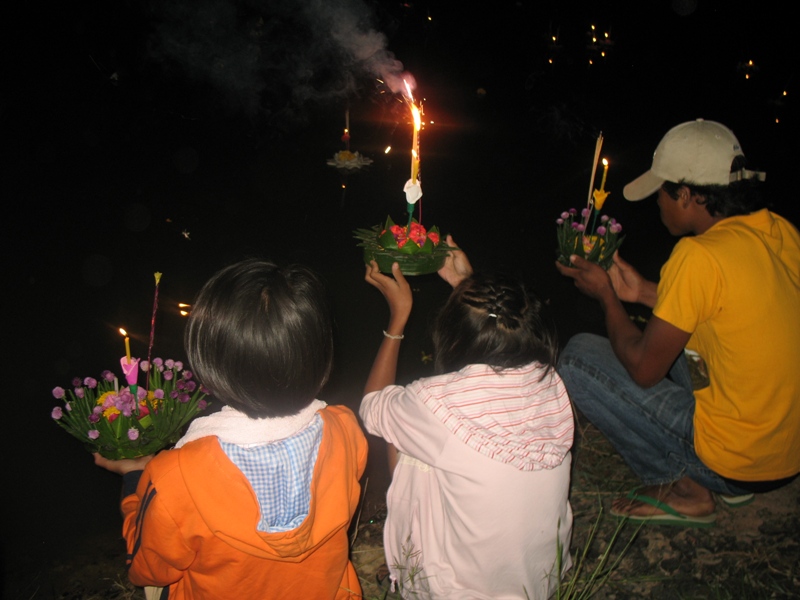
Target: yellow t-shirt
{"points": [[736, 289]]}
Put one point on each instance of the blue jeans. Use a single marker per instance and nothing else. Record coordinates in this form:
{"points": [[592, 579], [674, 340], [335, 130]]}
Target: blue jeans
{"points": [[652, 428]]}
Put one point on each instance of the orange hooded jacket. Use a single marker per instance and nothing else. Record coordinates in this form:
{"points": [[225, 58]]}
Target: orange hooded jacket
{"points": [[191, 525]]}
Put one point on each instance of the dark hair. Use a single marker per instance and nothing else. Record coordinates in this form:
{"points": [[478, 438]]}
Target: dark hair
{"points": [[260, 337], [493, 320], [738, 198]]}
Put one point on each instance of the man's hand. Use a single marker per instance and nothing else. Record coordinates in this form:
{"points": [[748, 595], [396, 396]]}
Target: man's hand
{"points": [[629, 285], [590, 278]]}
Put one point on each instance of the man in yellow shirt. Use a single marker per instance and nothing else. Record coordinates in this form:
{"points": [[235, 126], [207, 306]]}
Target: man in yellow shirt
{"points": [[728, 298]]}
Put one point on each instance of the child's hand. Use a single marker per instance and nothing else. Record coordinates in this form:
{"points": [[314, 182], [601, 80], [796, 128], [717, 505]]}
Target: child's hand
{"points": [[396, 291], [456, 266], [125, 465]]}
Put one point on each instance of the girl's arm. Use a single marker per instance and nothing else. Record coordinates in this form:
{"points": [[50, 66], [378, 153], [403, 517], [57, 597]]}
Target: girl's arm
{"points": [[384, 368]]}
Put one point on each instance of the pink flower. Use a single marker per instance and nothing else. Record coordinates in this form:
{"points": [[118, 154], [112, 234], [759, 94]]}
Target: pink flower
{"points": [[93, 434], [58, 393], [90, 382], [57, 414], [80, 392], [133, 434], [108, 376], [144, 366], [130, 369]]}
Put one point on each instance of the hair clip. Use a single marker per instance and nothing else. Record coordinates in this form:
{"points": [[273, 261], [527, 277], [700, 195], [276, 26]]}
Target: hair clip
{"points": [[493, 315]]}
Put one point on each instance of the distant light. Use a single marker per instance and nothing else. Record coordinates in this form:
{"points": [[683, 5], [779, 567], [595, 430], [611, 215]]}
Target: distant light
{"points": [[182, 305], [603, 54], [606, 34], [550, 60], [594, 40], [388, 149], [554, 38], [592, 26], [777, 120], [785, 93], [184, 313], [747, 76]]}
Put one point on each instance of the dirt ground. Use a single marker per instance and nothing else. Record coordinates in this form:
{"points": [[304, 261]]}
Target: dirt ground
{"points": [[752, 552]]}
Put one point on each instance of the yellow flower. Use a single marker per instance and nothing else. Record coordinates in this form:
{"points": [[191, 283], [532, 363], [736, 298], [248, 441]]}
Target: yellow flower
{"points": [[600, 198]]}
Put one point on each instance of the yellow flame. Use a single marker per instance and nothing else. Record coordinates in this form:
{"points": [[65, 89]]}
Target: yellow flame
{"points": [[122, 331], [416, 115]]}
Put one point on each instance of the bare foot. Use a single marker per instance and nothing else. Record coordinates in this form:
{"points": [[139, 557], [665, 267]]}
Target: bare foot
{"points": [[685, 496]]}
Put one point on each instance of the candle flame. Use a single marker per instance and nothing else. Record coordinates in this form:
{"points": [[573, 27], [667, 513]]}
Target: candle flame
{"points": [[605, 162], [184, 313], [388, 149], [123, 332]]}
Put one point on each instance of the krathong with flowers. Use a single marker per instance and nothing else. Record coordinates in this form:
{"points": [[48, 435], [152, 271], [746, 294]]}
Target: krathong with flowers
{"points": [[418, 250], [131, 421], [107, 419], [583, 235]]}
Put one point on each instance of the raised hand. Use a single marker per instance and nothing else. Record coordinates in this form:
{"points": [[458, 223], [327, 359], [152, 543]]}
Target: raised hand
{"points": [[456, 266]]}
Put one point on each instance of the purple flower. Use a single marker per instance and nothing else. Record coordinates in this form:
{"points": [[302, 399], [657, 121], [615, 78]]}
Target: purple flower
{"points": [[97, 410], [585, 212], [141, 393], [57, 414], [173, 394], [178, 365], [560, 221], [144, 366], [68, 406], [184, 398], [201, 404], [58, 393], [578, 227], [604, 218], [90, 382], [601, 230], [108, 376], [94, 418], [80, 392], [158, 362], [93, 434], [133, 434], [168, 375], [565, 215], [76, 381], [158, 394], [169, 363], [573, 211], [181, 385], [191, 386], [616, 228], [187, 375]]}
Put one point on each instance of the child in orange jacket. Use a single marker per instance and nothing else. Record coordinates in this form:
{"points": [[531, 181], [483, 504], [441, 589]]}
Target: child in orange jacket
{"points": [[256, 499]]}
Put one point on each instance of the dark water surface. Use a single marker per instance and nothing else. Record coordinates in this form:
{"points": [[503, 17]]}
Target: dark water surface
{"points": [[107, 185]]}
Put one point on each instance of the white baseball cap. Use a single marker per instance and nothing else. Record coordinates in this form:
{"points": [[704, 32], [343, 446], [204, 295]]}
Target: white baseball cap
{"points": [[696, 152]]}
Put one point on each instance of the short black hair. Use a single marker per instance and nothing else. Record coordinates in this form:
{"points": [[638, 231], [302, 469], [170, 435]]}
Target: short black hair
{"points": [[493, 319], [260, 337], [738, 198]]}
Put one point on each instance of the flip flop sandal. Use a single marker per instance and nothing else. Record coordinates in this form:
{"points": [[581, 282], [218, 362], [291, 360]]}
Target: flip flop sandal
{"points": [[671, 516], [737, 501]]}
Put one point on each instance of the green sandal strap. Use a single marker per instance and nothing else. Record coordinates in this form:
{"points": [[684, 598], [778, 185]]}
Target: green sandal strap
{"points": [[633, 495]]}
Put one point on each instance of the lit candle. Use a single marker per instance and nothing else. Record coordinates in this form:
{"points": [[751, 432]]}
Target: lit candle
{"points": [[415, 143], [605, 174], [127, 344], [417, 123]]}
